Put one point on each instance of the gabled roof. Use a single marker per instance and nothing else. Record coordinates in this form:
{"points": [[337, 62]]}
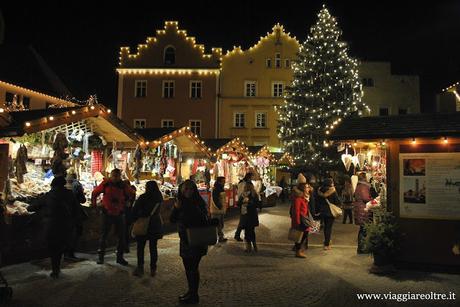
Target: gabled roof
{"points": [[215, 144], [151, 134], [23, 66], [398, 126]]}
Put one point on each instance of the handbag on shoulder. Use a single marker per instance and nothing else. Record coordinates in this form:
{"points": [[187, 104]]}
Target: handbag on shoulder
{"points": [[335, 210], [141, 225], [202, 236]]}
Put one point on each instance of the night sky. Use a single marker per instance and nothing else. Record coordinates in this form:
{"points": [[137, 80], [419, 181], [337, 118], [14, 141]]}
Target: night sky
{"points": [[80, 40]]}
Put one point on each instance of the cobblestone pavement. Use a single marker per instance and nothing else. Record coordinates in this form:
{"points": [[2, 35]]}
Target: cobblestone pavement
{"points": [[272, 277]]}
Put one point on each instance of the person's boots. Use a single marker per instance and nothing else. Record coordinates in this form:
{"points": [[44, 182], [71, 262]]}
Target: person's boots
{"points": [[186, 295], [254, 245], [153, 270], [101, 258], [121, 260], [300, 254], [248, 247], [55, 267], [194, 282], [139, 271]]}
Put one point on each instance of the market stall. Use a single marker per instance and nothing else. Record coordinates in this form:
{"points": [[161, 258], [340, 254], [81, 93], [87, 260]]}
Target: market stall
{"points": [[413, 162], [41, 144]]}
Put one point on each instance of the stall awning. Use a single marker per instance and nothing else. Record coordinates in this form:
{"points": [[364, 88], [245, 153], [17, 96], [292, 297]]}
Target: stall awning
{"points": [[400, 126], [103, 121], [183, 137]]}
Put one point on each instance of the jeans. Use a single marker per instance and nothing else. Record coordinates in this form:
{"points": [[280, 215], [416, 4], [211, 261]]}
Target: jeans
{"points": [[107, 222], [141, 241], [250, 234], [304, 239], [328, 222], [220, 226], [347, 213], [191, 265]]}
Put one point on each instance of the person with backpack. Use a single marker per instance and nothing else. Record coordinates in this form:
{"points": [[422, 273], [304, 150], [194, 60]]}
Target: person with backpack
{"points": [[116, 194], [148, 205]]}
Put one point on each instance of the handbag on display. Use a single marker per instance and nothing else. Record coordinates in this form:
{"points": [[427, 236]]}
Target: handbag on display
{"points": [[141, 225], [295, 235], [335, 210], [202, 236]]}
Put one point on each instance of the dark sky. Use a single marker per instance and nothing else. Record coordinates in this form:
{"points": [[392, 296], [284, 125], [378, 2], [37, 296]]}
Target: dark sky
{"points": [[81, 40]]}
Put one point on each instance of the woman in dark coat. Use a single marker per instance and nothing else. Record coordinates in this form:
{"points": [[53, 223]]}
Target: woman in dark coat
{"points": [[327, 191], [190, 211], [249, 219], [60, 213], [143, 207]]}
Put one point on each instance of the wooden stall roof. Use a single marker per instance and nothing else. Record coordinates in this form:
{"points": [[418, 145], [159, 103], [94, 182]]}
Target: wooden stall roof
{"points": [[397, 127], [104, 122], [284, 159], [183, 137], [216, 144]]}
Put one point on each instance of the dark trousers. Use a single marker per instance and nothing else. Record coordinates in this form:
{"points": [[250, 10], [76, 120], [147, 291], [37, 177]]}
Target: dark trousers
{"points": [[250, 234], [220, 226], [56, 257], [328, 222], [56, 248], [128, 223], [304, 239], [191, 265], [107, 222], [348, 213], [361, 236], [141, 241]]}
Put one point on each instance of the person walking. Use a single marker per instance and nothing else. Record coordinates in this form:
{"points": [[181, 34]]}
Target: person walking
{"points": [[148, 205], [362, 196], [249, 219], [190, 211], [347, 200], [59, 208], [241, 185], [327, 193], [116, 194], [218, 206], [77, 189], [299, 212]]}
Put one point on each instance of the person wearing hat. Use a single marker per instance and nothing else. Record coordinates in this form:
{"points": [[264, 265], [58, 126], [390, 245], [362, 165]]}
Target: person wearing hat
{"points": [[59, 208], [327, 194], [299, 211]]}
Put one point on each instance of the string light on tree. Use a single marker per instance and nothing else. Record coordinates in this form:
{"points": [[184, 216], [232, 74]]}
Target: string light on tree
{"points": [[326, 88]]}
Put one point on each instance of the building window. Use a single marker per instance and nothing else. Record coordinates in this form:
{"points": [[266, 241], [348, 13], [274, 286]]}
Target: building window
{"points": [[250, 88], [239, 120], [278, 60], [261, 120], [170, 55], [139, 123], [268, 63], [368, 82], [167, 123], [9, 97], [195, 126], [384, 111], [140, 88], [287, 63], [403, 111], [26, 102], [277, 89], [168, 89], [195, 89]]}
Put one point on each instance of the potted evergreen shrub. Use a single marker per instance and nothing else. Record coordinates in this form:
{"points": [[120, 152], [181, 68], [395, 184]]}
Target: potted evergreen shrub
{"points": [[382, 240]]}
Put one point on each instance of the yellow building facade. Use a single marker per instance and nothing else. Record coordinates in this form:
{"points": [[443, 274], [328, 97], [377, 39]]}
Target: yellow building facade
{"points": [[251, 86]]}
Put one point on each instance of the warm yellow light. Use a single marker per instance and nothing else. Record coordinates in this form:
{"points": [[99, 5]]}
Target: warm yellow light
{"points": [[51, 118], [2, 110], [109, 111], [414, 141], [446, 140], [73, 112], [147, 143], [92, 107], [27, 124]]}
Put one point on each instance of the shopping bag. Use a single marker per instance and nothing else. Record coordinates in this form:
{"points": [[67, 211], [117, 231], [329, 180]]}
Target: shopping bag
{"points": [[295, 235], [202, 236], [315, 228], [335, 210]]}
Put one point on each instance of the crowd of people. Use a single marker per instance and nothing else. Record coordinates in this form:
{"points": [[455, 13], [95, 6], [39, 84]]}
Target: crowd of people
{"points": [[64, 217]]}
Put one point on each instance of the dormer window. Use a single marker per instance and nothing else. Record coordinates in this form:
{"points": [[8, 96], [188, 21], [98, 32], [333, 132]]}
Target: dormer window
{"points": [[170, 55]]}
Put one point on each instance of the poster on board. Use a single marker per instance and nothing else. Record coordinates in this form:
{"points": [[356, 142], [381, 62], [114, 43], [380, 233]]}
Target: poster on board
{"points": [[429, 185]]}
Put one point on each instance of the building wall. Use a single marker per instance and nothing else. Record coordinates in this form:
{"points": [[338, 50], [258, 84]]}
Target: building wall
{"points": [[239, 66], [191, 64], [448, 100], [389, 91], [37, 100]]}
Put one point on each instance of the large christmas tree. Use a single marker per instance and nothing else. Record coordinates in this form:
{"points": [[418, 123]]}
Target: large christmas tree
{"points": [[326, 88]]}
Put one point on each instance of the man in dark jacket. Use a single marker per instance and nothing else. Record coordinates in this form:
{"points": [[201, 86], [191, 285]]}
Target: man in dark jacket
{"points": [[59, 211], [116, 194], [77, 189]]}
